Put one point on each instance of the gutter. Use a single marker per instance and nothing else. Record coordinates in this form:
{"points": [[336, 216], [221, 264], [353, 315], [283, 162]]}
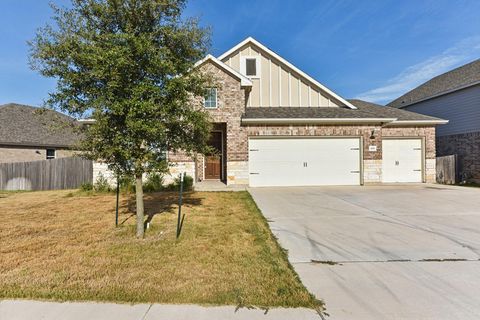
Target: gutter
{"points": [[316, 120], [416, 122], [86, 121], [35, 145], [385, 121]]}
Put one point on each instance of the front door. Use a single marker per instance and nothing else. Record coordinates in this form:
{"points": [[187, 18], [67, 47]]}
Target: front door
{"points": [[213, 163]]}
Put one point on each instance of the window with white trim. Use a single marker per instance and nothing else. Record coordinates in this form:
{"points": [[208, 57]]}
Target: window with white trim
{"points": [[210, 98], [50, 154], [250, 66]]}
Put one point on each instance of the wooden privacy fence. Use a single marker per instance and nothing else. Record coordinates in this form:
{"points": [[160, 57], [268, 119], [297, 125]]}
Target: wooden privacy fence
{"points": [[63, 173], [447, 172]]}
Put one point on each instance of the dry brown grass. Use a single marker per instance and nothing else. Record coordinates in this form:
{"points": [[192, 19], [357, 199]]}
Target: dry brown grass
{"points": [[64, 246]]}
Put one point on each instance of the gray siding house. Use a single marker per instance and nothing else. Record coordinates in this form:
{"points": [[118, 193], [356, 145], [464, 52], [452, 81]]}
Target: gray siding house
{"points": [[455, 96]]}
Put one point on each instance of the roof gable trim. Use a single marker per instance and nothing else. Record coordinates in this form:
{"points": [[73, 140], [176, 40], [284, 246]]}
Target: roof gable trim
{"points": [[244, 81], [289, 65]]}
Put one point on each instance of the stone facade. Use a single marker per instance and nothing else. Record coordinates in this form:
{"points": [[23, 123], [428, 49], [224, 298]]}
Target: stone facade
{"points": [[100, 169], [467, 148], [25, 154], [176, 168], [372, 171], [231, 104], [226, 117]]}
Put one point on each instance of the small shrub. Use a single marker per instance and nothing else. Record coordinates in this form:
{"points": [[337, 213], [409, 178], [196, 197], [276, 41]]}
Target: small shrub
{"points": [[86, 186], [175, 186], [127, 184], [187, 183], [154, 183], [102, 185]]}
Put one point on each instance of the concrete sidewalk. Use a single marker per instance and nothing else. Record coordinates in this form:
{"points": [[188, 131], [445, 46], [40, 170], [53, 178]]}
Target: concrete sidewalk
{"points": [[36, 310]]}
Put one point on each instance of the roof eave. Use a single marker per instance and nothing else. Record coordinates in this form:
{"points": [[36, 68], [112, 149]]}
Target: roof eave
{"points": [[36, 145], [417, 122], [439, 94], [316, 120], [86, 121]]}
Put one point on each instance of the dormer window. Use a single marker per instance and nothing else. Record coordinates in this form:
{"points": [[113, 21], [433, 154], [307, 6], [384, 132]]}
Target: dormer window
{"points": [[250, 66]]}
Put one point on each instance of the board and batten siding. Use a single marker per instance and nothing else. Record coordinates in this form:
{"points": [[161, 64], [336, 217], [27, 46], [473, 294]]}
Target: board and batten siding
{"points": [[461, 108], [278, 85]]}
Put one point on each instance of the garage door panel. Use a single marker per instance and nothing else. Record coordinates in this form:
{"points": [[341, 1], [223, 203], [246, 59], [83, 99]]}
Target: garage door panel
{"points": [[304, 162], [402, 160]]}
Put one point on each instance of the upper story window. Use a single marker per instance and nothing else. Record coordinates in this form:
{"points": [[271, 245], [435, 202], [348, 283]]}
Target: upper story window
{"points": [[211, 98], [50, 154], [250, 66]]}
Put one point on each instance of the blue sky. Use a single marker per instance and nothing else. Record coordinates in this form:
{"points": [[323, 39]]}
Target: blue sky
{"points": [[370, 49]]}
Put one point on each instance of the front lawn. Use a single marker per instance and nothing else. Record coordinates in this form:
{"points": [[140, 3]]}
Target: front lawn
{"points": [[64, 246]]}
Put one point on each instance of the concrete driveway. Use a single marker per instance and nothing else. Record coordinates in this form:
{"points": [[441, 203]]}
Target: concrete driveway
{"points": [[382, 252]]}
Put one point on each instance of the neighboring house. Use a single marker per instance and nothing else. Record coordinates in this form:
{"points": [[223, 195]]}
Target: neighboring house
{"points": [[276, 126], [454, 95], [28, 134]]}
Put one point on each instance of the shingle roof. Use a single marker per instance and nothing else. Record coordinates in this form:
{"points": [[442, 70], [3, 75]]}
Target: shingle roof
{"points": [[31, 126], [380, 111], [455, 79], [365, 110]]}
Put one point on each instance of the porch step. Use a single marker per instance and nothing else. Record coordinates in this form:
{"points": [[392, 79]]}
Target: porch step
{"points": [[207, 185]]}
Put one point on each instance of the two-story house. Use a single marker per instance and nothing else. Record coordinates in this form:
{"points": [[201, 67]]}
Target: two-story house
{"points": [[454, 95]]}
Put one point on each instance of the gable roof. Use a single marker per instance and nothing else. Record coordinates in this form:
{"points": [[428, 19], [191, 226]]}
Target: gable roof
{"points": [[30, 126], [365, 112], [456, 79], [244, 81], [251, 40]]}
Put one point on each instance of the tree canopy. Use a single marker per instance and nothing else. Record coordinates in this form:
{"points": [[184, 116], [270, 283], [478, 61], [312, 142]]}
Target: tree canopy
{"points": [[129, 65]]}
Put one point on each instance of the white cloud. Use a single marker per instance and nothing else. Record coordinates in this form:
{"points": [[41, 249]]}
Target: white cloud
{"points": [[464, 51]]}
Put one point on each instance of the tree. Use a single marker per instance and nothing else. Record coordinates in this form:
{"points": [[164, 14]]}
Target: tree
{"points": [[129, 65]]}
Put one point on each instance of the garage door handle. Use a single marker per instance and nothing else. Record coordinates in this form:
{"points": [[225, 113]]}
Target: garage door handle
{"points": [[254, 173], [253, 149], [417, 148], [417, 170], [354, 148], [354, 171]]}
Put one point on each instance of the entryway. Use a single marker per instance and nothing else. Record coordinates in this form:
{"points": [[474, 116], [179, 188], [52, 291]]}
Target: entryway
{"points": [[214, 167]]}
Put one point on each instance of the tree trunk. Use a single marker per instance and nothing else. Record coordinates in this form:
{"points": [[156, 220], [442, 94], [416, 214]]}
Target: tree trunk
{"points": [[140, 208]]}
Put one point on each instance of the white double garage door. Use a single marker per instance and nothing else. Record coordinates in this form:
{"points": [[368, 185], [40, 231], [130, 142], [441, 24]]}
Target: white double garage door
{"points": [[328, 161]]}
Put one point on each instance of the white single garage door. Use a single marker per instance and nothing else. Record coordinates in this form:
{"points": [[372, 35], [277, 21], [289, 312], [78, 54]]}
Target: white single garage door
{"points": [[402, 160], [304, 161]]}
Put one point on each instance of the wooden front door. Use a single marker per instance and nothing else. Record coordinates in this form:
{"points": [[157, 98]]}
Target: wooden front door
{"points": [[213, 163]]}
